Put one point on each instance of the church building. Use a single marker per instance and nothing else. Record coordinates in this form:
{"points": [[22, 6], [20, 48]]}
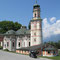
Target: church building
{"points": [[24, 40]]}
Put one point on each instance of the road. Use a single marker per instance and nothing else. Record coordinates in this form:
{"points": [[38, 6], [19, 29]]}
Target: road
{"points": [[12, 56]]}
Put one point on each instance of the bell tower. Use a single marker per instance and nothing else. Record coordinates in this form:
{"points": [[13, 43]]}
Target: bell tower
{"points": [[36, 11], [36, 26]]}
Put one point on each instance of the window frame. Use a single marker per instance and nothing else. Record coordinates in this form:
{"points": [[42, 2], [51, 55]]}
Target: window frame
{"points": [[19, 44]]}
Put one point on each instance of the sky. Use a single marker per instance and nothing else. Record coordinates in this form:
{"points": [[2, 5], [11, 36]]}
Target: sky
{"points": [[22, 11]]}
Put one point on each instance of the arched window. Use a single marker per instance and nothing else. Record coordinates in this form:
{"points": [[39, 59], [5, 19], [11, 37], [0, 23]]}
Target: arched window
{"points": [[35, 14], [29, 43], [19, 44], [13, 44]]}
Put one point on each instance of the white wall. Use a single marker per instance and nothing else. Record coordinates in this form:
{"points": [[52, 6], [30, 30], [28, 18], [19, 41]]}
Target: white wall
{"points": [[10, 39], [25, 39], [38, 31]]}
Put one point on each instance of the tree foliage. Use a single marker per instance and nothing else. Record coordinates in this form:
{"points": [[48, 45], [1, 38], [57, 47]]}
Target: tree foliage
{"points": [[9, 25], [56, 44]]}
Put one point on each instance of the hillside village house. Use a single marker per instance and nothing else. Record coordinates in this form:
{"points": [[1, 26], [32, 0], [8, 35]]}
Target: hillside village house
{"points": [[24, 40]]}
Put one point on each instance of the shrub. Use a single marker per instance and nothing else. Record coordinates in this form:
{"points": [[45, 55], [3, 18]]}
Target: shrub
{"points": [[59, 53], [1, 47], [6, 50]]}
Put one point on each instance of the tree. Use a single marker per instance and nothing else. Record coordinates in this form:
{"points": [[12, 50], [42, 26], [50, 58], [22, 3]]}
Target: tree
{"points": [[9, 25], [56, 44], [17, 26]]}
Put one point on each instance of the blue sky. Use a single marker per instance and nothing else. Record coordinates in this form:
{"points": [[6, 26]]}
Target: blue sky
{"points": [[22, 11]]}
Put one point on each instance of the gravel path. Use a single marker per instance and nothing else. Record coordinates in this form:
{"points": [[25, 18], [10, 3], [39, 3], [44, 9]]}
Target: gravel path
{"points": [[12, 56]]}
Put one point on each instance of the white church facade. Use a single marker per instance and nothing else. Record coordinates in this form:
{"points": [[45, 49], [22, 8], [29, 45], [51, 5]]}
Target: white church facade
{"points": [[25, 37], [14, 40]]}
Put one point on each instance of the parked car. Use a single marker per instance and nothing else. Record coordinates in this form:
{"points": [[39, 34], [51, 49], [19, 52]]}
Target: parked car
{"points": [[33, 54]]}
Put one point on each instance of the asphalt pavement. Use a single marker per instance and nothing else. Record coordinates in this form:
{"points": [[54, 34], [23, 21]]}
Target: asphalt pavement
{"points": [[13, 56]]}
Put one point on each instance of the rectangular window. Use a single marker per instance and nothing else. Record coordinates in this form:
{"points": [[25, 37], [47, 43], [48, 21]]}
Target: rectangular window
{"points": [[54, 52], [29, 43], [13, 44], [7, 44], [48, 52], [35, 40], [19, 44]]}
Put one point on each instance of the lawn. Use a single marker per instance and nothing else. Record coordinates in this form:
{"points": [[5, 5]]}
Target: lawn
{"points": [[54, 58]]}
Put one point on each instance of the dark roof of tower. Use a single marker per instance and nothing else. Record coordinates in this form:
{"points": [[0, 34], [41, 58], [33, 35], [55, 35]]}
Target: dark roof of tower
{"points": [[36, 5]]}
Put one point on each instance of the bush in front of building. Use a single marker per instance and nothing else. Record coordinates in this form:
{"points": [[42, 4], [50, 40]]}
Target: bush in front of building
{"points": [[6, 50], [1, 47]]}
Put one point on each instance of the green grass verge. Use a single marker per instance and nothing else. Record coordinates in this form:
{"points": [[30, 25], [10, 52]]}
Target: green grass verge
{"points": [[54, 58]]}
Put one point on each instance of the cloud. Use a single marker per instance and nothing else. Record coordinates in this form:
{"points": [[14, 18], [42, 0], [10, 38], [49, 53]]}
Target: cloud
{"points": [[53, 19], [51, 29]]}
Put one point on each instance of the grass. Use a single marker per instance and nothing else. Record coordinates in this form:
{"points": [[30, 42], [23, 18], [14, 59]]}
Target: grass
{"points": [[54, 58]]}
